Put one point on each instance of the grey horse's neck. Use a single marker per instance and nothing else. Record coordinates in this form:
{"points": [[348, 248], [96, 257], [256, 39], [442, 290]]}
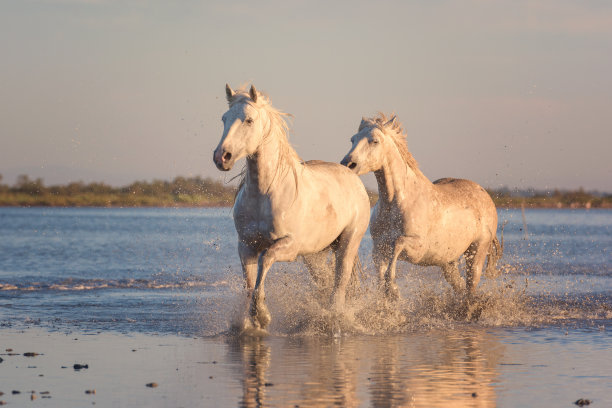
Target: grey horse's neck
{"points": [[397, 181]]}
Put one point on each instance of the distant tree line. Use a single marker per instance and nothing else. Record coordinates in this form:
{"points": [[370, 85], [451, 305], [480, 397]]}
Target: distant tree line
{"points": [[205, 192], [182, 191]]}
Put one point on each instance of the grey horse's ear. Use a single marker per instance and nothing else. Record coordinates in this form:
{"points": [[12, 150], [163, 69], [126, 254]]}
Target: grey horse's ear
{"points": [[229, 93], [391, 121], [253, 93]]}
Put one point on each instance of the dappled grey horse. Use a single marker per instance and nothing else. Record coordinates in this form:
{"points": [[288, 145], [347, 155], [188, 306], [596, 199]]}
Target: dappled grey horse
{"points": [[419, 221]]}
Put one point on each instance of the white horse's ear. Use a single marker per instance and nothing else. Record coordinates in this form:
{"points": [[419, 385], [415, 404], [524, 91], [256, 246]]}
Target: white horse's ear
{"points": [[391, 121], [362, 123], [229, 93], [253, 93]]}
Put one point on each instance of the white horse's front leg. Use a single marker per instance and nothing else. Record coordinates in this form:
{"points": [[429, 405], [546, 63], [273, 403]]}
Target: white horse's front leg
{"points": [[415, 250], [283, 250], [248, 260]]}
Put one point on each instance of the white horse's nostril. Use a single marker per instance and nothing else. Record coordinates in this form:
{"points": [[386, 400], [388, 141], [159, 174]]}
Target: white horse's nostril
{"points": [[226, 156]]}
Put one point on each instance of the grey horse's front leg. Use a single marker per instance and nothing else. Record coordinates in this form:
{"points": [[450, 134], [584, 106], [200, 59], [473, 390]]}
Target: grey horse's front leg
{"points": [[283, 250], [415, 249]]}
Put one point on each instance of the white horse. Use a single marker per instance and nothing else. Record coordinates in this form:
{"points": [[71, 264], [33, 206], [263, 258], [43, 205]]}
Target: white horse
{"points": [[286, 207], [419, 221]]}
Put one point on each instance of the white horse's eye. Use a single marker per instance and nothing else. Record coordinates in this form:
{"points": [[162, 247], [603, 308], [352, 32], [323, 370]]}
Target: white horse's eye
{"points": [[248, 121], [375, 141]]}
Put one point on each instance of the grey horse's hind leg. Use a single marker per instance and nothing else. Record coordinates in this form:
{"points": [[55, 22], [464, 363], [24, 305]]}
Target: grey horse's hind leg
{"points": [[452, 276], [475, 257]]}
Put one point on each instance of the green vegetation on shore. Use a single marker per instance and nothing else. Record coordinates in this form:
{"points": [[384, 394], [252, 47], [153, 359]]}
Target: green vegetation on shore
{"points": [[180, 192], [205, 192]]}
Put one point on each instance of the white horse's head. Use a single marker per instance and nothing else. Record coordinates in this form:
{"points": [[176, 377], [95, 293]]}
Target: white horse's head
{"points": [[243, 127], [369, 146]]}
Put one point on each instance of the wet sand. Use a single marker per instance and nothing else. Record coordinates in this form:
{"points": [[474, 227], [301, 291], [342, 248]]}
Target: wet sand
{"points": [[463, 366]]}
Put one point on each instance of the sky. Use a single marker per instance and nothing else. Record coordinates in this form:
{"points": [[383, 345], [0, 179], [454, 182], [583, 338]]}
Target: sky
{"points": [[511, 94]]}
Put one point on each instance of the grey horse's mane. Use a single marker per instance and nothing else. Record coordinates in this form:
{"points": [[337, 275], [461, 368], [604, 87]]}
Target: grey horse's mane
{"points": [[395, 131], [279, 129]]}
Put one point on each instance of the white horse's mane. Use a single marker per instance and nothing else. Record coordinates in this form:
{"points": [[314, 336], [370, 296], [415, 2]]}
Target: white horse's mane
{"points": [[278, 129], [395, 131]]}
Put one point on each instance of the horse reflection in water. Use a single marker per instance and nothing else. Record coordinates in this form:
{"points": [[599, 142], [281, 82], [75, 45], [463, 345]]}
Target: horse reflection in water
{"points": [[419, 221], [456, 369], [286, 207]]}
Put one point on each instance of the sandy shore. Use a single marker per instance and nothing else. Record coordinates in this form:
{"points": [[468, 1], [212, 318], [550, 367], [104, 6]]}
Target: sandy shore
{"points": [[120, 370]]}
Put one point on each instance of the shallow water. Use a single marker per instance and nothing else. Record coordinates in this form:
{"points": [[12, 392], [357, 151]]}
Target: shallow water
{"points": [[539, 335]]}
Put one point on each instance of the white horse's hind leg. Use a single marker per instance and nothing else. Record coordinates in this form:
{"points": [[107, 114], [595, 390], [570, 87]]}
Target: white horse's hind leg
{"points": [[283, 250], [346, 253], [321, 266], [475, 257], [452, 276]]}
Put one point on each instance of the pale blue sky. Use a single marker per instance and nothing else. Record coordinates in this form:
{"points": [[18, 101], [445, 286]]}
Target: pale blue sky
{"points": [[514, 93]]}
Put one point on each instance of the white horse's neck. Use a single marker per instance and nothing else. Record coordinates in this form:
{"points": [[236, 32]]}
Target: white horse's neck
{"points": [[398, 182], [269, 163]]}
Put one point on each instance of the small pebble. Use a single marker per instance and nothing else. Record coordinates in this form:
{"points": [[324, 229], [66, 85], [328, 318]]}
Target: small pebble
{"points": [[90, 391], [474, 395], [31, 354], [8, 350], [80, 366], [268, 385], [152, 385], [582, 402], [45, 393], [32, 397], [15, 392], [210, 378]]}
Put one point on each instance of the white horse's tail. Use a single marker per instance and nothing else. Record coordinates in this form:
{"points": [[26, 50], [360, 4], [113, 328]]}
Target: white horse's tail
{"points": [[496, 251]]}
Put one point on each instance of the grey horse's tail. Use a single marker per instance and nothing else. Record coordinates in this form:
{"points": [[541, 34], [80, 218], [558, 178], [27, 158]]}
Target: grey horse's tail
{"points": [[496, 251]]}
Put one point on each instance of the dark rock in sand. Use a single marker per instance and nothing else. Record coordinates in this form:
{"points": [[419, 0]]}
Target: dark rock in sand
{"points": [[90, 391], [152, 385], [583, 402], [474, 395], [8, 350], [268, 385], [1, 360], [15, 392], [80, 366], [31, 354]]}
